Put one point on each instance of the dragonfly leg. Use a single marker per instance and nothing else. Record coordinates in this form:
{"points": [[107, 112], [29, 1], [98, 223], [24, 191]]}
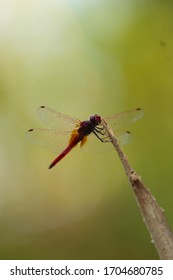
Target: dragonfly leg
{"points": [[100, 130], [102, 139]]}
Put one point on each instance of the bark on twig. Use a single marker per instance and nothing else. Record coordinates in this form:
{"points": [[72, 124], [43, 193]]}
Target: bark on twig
{"points": [[152, 213]]}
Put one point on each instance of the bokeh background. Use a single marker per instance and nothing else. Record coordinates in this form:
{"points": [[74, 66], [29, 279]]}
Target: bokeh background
{"points": [[80, 58]]}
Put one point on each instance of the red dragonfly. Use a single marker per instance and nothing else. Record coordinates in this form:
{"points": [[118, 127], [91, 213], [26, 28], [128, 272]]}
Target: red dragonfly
{"points": [[66, 132]]}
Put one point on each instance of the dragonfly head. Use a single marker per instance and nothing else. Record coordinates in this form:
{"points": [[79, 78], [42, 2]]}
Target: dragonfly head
{"points": [[95, 120]]}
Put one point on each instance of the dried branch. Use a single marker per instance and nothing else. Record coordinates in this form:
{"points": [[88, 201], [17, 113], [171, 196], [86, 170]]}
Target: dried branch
{"points": [[152, 213]]}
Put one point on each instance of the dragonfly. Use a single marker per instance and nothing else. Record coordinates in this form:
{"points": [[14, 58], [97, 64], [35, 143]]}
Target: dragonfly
{"points": [[66, 132]]}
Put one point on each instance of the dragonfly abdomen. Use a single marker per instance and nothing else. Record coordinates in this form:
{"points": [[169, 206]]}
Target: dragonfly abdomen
{"points": [[65, 151]]}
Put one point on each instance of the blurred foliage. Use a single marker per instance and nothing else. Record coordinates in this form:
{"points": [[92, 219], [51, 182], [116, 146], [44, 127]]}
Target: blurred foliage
{"points": [[83, 57]]}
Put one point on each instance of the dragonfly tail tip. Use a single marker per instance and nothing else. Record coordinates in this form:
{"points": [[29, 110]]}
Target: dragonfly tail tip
{"points": [[50, 166]]}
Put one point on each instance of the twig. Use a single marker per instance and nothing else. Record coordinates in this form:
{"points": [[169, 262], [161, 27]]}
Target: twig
{"points": [[152, 213]]}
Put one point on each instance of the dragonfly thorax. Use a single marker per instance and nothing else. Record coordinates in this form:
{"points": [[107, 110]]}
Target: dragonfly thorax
{"points": [[86, 127]]}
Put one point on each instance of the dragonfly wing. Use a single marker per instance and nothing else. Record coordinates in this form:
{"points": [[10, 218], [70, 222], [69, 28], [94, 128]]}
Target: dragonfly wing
{"points": [[95, 146], [122, 120], [56, 120], [123, 137], [54, 140]]}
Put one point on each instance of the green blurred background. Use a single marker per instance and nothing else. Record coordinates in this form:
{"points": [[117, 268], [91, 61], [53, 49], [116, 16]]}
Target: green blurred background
{"points": [[83, 57]]}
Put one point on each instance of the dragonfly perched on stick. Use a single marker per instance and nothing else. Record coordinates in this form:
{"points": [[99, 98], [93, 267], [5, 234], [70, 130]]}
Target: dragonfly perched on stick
{"points": [[66, 132]]}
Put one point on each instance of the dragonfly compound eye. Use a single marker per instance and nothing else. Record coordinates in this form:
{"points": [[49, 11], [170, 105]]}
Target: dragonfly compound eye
{"points": [[95, 120]]}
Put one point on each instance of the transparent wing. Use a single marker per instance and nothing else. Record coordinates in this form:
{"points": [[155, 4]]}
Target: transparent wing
{"points": [[57, 139], [122, 120], [123, 137], [54, 140], [56, 120], [94, 146]]}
